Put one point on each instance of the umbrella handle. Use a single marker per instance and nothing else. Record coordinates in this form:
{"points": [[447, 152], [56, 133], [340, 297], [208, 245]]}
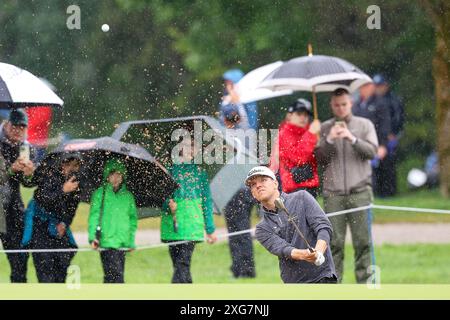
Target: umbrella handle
{"points": [[316, 116]]}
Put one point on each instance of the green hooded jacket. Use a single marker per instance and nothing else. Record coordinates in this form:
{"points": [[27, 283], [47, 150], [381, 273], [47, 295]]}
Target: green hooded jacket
{"points": [[194, 205], [119, 219]]}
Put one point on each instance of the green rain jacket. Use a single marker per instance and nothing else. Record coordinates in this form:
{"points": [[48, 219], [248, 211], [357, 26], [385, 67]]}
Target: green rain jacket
{"points": [[119, 219], [194, 205]]}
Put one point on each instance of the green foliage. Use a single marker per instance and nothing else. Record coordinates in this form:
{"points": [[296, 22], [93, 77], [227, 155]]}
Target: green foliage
{"points": [[165, 58]]}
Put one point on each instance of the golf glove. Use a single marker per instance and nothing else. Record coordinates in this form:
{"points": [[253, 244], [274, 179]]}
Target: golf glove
{"points": [[320, 259]]}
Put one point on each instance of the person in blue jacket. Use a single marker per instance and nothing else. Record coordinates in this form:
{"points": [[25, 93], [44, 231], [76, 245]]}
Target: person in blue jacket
{"points": [[235, 115], [231, 78]]}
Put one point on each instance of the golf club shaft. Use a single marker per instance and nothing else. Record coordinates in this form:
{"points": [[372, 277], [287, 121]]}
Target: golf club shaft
{"points": [[297, 228]]}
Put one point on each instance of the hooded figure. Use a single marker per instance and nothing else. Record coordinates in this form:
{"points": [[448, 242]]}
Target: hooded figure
{"points": [[113, 221]]}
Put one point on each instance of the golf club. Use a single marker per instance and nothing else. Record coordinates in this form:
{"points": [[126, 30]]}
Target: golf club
{"points": [[280, 205]]}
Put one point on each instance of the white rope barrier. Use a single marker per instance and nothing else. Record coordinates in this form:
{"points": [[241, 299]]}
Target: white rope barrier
{"points": [[422, 210], [342, 212], [227, 235], [151, 246]]}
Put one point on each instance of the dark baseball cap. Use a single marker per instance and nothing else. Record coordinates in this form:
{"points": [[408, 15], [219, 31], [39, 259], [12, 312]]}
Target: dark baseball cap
{"points": [[18, 117], [301, 105]]}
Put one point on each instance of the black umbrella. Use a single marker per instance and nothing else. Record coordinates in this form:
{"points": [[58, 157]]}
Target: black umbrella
{"points": [[147, 179], [315, 73]]}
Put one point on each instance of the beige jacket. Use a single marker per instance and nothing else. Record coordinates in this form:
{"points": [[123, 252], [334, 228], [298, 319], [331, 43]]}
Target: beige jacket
{"points": [[346, 166]]}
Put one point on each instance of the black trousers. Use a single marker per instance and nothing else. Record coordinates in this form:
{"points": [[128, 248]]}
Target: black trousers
{"points": [[51, 267], [181, 255], [11, 240], [328, 280], [17, 261], [113, 262], [385, 177], [237, 217]]}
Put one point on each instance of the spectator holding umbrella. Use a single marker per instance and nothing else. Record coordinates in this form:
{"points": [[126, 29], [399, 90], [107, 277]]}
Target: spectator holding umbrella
{"points": [[297, 140], [347, 143], [113, 221], [49, 215], [19, 157]]}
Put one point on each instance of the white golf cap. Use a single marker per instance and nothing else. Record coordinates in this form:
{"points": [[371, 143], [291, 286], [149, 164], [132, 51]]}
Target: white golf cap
{"points": [[259, 171]]}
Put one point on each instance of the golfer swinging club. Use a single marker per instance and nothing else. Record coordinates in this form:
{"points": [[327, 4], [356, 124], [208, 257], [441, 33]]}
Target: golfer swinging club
{"points": [[294, 228]]}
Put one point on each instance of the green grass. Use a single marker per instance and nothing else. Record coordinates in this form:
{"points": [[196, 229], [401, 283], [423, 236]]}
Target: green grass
{"points": [[399, 264], [420, 199]]}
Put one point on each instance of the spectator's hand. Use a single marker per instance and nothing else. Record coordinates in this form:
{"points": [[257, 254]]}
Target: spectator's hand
{"points": [[28, 168], [229, 124], [314, 127], [61, 229], [334, 132], [17, 166], [303, 254], [381, 152], [211, 238], [95, 244], [346, 134], [70, 185], [173, 206]]}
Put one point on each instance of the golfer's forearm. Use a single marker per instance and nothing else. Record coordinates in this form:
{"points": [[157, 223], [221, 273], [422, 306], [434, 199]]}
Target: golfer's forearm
{"points": [[274, 244], [321, 246]]}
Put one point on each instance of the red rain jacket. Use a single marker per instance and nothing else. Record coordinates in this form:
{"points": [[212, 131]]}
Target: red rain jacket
{"points": [[296, 148]]}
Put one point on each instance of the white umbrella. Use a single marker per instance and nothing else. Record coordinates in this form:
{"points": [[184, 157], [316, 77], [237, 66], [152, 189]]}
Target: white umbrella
{"points": [[20, 88], [247, 87]]}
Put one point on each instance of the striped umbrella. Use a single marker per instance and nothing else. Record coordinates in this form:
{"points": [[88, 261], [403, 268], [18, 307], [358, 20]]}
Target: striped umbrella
{"points": [[19, 88]]}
